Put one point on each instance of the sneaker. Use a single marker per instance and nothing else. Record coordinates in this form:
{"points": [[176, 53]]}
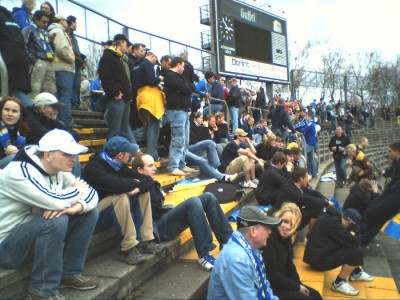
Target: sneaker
{"points": [[362, 276], [250, 184], [79, 283], [177, 172], [345, 288], [150, 247], [207, 262], [188, 170], [32, 296], [131, 257], [231, 178], [256, 181]]}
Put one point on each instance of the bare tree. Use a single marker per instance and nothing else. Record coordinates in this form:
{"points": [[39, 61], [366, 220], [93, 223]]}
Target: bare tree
{"points": [[333, 67], [93, 54]]}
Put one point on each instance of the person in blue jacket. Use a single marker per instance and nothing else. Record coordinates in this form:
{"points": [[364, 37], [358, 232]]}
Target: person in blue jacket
{"points": [[23, 14], [310, 133]]}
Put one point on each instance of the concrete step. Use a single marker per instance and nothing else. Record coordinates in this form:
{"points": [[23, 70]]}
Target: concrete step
{"points": [[96, 123], [79, 114]]}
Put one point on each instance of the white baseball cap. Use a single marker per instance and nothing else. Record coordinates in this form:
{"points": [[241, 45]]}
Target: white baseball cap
{"points": [[60, 140], [46, 99]]}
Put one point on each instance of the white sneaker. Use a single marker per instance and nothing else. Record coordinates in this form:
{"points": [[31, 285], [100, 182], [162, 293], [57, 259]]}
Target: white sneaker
{"points": [[188, 170], [231, 178], [250, 184], [207, 262], [363, 276], [345, 288], [256, 181]]}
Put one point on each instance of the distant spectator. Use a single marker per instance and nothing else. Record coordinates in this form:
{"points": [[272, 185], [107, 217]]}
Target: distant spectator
{"points": [[361, 165], [299, 160], [85, 93], [49, 9], [348, 120], [165, 66], [261, 103], [96, 92], [310, 133], [188, 71], [41, 54], [233, 102], [222, 127], [16, 58], [23, 15], [249, 128], [215, 90], [280, 120], [13, 130], [226, 90], [337, 145], [260, 130]]}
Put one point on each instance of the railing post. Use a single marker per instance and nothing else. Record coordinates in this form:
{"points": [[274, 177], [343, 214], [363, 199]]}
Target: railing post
{"points": [[4, 77]]}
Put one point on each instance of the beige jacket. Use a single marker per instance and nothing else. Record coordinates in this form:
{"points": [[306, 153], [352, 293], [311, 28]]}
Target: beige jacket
{"points": [[64, 53]]}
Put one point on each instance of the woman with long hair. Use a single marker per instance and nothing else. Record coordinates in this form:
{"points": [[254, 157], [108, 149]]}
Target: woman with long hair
{"points": [[49, 9], [267, 149], [13, 129], [278, 257]]}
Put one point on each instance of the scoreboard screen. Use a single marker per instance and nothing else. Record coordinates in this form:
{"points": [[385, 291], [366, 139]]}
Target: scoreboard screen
{"points": [[250, 43]]}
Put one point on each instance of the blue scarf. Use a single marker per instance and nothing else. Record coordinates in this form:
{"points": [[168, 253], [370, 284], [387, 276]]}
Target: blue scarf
{"points": [[44, 39], [116, 166], [264, 291], [5, 137]]}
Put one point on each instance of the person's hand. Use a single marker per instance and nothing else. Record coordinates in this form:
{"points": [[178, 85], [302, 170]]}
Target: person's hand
{"points": [[374, 186], [208, 95], [261, 163], [331, 203], [205, 123], [160, 87], [333, 149], [161, 78], [119, 96], [304, 290], [74, 209], [81, 185], [11, 150], [289, 166]]}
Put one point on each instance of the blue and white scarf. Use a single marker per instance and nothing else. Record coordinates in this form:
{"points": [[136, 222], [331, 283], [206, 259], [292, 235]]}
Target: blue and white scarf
{"points": [[5, 138], [116, 166], [264, 291]]}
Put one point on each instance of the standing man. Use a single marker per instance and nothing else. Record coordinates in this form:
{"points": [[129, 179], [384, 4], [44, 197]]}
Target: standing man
{"points": [[233, 101], [47, 216], [149, 99], [41, 54], [178, 93], [79, 62], [310, 134], [117, 89], [165, 66], [239, 272], [23, 15], [280, 120], [65, 68], [337, 145], [215, 90]]}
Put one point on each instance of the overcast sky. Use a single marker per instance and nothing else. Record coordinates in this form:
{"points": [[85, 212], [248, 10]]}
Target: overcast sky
{"points": [[350, 25]]}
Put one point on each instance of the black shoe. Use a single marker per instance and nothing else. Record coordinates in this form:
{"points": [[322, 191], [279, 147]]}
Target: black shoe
{"points": [[150, 247], [131, 257], [73, 125]]}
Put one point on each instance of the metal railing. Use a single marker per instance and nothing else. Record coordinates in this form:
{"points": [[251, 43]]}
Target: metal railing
{"points": [[4, 77]]}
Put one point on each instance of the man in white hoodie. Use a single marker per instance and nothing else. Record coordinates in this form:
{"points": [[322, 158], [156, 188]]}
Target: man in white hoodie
{"points": [[47, 216]]}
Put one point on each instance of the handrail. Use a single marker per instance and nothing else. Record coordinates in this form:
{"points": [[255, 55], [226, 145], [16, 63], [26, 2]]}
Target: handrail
{"points": [[4, 77]]}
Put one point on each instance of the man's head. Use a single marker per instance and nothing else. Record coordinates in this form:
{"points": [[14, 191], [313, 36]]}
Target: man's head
{"points": [[296, 153], [47, 104], [339, 131], [41, 19], [279, 142], [351, 219], [139, 50], [211, 120], [151, 57], [394, 151], [309, 116], [220, 117], [30, 4], [209, 76], [250, 121], [363, 143], [57, 150], [72, 22], [300, 177], [233, 81], [281, 101], [60, 19], [279, 160], [107, 44], [178, 65], [289, 155], [239, 135], [351, 150], [255, 226], [144, 164], [121, 42], [166, 62], [120, 149]]}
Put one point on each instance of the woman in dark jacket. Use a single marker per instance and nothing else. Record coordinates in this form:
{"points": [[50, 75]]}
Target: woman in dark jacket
{"points": [[278, 257], [266, 149]]}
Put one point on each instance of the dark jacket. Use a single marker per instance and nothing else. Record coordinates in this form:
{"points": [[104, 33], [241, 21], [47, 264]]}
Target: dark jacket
{"points": [[223, 132], [271, 181], [358, 200], [178, 92], [33, 43], [107, 181], [79, 57], [144, 74], [40, 125], [113, 76], [198, 133], [302, 197], [278, 260], [265, 152], [234, 97], [337, 142], [327, 236], [280, 118], [216, 89], [250, 130], [157, 201], [394, 185]]}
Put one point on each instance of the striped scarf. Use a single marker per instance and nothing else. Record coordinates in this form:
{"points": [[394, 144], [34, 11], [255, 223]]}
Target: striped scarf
{"points": [[5, 138]]}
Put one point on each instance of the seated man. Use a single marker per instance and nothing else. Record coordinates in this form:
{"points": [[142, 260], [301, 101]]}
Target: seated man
{"points": [[260, 130], [121, 189], [235, 159], [299, 161], [310, 201], [239, 272], [361, 165], [223, 128], [271, 180], [195, 213], [332, 244], [47, 215]]}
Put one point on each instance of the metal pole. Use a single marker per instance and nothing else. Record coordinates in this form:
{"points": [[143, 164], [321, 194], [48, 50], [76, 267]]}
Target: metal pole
{"points": [[4, 77]]}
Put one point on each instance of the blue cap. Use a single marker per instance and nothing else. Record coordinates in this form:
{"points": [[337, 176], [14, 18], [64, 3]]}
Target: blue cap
{"points": [[119, 144]]}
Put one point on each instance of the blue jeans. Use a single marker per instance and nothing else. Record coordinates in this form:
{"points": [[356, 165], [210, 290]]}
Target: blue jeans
{"points": [[333, 122], [64, 81], [152, 133], [23, 97], [117, 118], [214, 109], [209, 147], [42, 241], [205, 167], [340, 167], [179, 122], [190, 213], [234, 111], [348, 129], [76, 89], [311, 163], [6, 160]]}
